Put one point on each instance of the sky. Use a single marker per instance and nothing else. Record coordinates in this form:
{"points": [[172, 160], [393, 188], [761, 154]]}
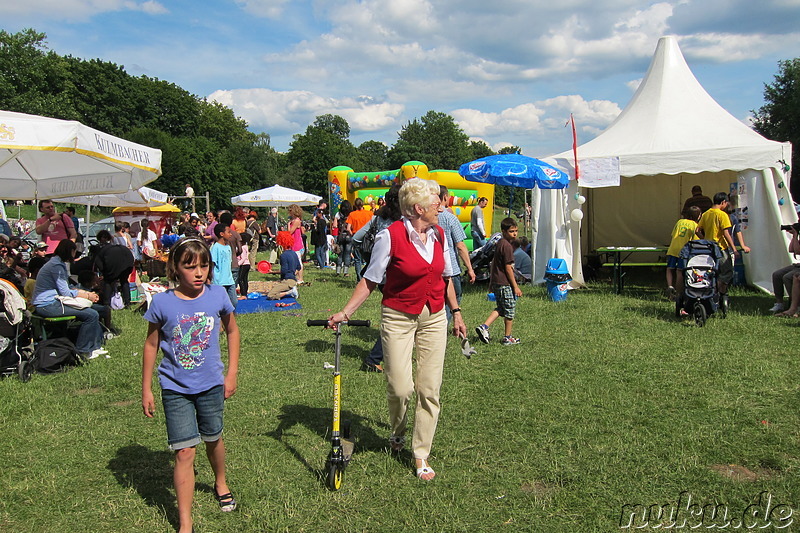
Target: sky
{"points": [[509, 72]]}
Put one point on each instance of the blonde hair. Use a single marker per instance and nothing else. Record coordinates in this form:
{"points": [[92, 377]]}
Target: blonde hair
{"points": [[417, 191], [185, 252], [295, 211]]}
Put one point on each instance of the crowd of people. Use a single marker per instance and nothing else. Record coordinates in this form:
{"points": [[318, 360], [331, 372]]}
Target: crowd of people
{"points": [[407, 244]]}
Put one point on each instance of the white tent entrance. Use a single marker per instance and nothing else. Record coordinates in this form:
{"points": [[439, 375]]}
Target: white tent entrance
{"points": [[672, 136]]}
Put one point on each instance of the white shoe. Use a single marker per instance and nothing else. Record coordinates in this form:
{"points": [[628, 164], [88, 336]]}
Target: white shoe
{"points": [[777, 308], [91, 355], [293, 293], [97, 353]]}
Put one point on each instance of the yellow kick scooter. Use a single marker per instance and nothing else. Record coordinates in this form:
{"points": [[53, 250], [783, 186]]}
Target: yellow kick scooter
{"points": [[341, 445]]}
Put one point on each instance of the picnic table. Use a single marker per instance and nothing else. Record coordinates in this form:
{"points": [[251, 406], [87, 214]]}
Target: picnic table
{"points": [[618, 256]]}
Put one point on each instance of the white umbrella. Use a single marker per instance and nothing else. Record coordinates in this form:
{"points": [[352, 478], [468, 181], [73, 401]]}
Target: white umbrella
{"points": [[47, 158], [142, 197], [275, 196]]}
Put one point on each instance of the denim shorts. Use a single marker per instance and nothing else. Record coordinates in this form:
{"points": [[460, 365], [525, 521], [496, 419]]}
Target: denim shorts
{"points": [[192, 418], [674, 262], [506, 301]]}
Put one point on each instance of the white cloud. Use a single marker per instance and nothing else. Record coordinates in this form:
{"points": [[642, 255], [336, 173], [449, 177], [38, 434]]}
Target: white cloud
{"points": [[77, 10], [287, 112], [152, 8], [726, 48], [538, 117], [263, 8]]}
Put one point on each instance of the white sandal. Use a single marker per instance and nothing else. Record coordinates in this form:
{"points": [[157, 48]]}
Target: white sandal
{"points": [[397, 443], [424, 470]]}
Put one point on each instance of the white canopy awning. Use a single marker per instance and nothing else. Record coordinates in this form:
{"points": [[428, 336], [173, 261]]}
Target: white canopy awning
{"points": [[275, 196], [142, 197], [43, 158]]}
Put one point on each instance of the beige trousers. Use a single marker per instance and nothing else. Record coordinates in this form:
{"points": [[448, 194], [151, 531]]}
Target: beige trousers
{"points": [[280, 287], [401, 333]]}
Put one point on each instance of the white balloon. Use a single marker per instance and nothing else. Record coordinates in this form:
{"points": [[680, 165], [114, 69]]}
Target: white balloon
{"points": [[576, 215], [581, 200]]}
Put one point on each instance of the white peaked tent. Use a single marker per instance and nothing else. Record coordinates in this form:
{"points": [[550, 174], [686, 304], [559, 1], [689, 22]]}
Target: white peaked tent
{"points": [[671, 136]]}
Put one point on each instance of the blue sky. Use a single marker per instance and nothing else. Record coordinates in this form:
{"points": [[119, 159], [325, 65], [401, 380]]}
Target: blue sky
{"points": [[509, 72]]}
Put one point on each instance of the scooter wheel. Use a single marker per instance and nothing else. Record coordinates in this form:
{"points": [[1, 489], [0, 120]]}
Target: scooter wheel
{"points": [[335, 474]]}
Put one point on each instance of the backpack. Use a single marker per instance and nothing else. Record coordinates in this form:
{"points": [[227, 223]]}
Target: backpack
{"points": [[53, 355], [368, 242]]}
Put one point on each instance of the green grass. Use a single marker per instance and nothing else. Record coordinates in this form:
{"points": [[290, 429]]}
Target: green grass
{"points": [[609, 401]]}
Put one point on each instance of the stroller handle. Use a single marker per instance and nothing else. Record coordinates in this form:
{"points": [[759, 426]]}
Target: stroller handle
{"points": [[323, 322]]}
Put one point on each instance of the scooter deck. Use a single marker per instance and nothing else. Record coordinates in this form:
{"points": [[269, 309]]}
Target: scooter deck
{"points": [[347, 448]]}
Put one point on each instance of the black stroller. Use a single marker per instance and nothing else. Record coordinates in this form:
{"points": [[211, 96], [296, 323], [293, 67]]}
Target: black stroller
{"points": [[16, 338], [481, 258], [700, 298]]}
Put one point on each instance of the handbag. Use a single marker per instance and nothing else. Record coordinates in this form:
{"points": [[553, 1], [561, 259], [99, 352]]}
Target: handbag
{"points": [[368, 242], [75, 301]]}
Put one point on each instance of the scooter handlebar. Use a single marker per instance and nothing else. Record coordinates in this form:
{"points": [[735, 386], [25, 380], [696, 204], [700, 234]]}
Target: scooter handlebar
{"points": [[323, 322]]}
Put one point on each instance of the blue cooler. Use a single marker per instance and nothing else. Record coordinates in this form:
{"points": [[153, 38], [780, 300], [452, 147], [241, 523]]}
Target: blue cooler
{"points": [[556, 278]]}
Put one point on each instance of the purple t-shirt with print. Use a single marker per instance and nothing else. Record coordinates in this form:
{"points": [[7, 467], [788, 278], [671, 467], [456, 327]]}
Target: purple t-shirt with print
{"points": [[189, 338]]}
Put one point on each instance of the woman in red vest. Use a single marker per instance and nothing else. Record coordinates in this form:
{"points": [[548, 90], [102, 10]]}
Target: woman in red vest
{"points": [[412, 260]]}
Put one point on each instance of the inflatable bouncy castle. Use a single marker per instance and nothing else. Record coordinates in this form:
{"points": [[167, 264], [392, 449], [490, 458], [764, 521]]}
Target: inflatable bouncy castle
{"points": [[346, 184]]}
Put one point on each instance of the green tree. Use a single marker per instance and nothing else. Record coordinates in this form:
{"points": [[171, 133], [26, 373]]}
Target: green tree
{"points": [[333, 124], [319, 149], [203, 143], [779, 118], [435, 139], [374, 156], [479, 149], [503, 194], [33, 79], [103, 95]]}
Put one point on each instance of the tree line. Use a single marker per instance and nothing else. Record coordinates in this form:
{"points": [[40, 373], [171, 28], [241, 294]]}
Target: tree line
{"points": [[204, 143]]}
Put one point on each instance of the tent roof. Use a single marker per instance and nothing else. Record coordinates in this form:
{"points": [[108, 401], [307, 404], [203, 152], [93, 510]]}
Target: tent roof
{"points": [[672, 126], [275, 196]]}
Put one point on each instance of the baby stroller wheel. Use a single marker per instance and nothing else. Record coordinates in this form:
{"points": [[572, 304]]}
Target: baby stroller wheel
{"points": [[678, 306], [723, 305], [700, 314], [25, 370]]}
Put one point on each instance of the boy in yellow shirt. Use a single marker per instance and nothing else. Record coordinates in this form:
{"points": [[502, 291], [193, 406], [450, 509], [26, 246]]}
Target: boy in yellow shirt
{"points": [[684, 231], [715, 225]]}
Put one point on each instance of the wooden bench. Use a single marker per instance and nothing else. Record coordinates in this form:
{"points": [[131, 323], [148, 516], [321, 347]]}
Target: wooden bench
{"points": [[637, 265]]}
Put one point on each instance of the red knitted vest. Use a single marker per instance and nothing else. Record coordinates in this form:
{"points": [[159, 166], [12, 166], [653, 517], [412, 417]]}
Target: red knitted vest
{"points": [[411, 282]]}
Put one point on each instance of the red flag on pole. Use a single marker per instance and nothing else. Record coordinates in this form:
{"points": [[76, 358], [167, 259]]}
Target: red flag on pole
{"points": [[575, 147]]}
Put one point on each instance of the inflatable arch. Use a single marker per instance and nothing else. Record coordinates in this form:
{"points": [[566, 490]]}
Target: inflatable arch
{"points": [[346, 184]]}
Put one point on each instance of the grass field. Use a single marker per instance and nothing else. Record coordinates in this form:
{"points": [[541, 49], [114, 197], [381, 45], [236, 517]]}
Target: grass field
{"points": [[609, 401]]}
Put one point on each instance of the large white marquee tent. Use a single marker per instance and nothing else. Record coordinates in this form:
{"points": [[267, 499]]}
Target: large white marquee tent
{"points": [[671, 136]]}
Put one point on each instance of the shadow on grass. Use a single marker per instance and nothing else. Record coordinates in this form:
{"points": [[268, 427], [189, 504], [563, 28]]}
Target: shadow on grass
{"points": [[149, 473], [348, 350], [318, 420]]}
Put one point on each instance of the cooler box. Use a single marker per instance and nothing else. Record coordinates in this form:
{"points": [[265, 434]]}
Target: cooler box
{"points": [[556, 290]]}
